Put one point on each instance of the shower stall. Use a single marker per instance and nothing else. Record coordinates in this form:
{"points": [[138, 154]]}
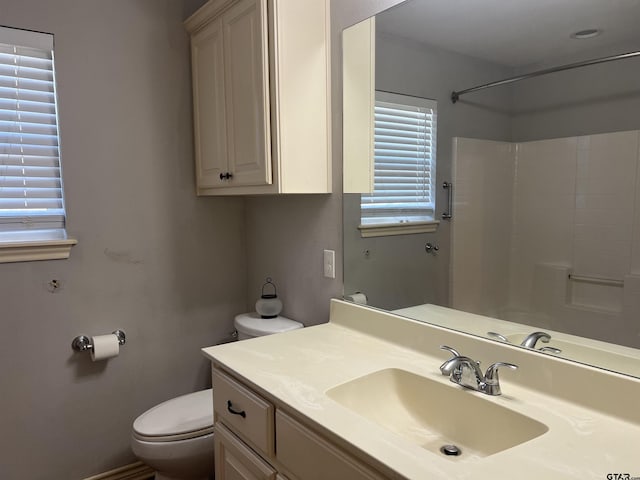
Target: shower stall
{"points": [[547, 233]]}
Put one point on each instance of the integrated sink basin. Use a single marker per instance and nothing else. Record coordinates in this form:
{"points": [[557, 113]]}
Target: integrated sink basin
{"points": [[434, 414]]}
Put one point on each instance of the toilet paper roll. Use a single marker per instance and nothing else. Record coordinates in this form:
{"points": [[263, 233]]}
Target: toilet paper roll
{"points": [[104, 346], [357, 297]]}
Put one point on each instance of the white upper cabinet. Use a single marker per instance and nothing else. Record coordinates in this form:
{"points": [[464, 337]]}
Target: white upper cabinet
{"points": [[261, 91]]}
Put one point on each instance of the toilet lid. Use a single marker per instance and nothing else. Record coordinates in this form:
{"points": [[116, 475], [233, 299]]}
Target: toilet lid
{"points": [[180, 416], [254, 325]]}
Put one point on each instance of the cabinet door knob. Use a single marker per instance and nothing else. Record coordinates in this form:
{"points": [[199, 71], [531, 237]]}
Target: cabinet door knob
{"points": [[226, 176]]}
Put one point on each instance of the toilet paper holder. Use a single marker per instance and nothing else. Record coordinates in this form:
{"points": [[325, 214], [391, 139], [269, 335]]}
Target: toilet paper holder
{"points": [[82, 343]]}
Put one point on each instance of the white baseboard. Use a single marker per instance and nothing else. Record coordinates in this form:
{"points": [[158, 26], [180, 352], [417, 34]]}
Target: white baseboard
{"points": [[134, 471]]}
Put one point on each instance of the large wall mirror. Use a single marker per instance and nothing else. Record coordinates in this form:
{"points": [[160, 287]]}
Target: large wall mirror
{"points": [[540, 176]]}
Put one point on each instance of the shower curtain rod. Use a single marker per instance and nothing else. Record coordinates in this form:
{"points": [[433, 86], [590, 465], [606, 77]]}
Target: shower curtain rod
{"points": [[455, 95]]}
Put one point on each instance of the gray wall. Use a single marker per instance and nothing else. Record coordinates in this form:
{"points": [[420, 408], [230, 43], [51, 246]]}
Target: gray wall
{"points": [[286, 235], [152, 259], [596, 99], [169, 268], [398, 273]]}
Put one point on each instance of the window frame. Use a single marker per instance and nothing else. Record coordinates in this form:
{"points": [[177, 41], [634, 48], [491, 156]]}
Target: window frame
{"points": [[40, 236]]}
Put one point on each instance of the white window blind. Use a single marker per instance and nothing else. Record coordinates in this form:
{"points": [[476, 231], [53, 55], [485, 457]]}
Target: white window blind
{"points": [[404, 166], [30, 173]]}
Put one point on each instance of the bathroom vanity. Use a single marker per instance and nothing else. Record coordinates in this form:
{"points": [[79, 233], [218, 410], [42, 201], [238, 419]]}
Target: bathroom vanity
{"points": [[363, 397], [249, 425]]}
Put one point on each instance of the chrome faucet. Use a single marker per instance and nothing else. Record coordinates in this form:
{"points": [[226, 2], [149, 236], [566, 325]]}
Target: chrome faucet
{"points": [[466, 372], [531, 339]]}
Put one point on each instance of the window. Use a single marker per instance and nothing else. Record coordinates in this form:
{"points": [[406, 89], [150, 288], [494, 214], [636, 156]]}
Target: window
{"points": [[32, 214], [403, 199]]}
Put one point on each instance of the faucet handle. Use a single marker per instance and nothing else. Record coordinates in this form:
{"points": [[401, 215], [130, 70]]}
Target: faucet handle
{"points": [[453, 351], [498, 336], [492, 371], [491, 379], [450, 365], [550, 350]]}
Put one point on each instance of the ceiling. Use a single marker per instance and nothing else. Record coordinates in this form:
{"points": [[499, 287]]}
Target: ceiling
{"points": [[515, 33]]}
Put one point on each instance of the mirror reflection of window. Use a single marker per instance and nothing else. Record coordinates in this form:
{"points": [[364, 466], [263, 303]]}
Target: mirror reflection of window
{"points": [[405, 162]]}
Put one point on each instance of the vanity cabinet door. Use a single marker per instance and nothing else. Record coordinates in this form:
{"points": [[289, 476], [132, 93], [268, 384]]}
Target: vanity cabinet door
{"points": [[310, 457], [236, 461]]}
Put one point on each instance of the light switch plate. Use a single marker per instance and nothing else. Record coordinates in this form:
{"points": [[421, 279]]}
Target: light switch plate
{"points": [[329, 263]]}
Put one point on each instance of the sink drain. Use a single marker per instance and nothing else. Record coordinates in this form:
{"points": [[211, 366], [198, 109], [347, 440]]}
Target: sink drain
{"points": [[450, 450]]}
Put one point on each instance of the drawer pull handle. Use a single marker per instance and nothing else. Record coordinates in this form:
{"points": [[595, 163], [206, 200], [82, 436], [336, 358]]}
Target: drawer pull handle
{"points": [[235, 412]]}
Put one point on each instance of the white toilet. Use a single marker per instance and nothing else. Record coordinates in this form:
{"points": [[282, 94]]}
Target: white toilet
{"points": [[176, 437]]}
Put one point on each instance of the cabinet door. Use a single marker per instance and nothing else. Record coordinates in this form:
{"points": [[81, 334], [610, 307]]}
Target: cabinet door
{"points": [[247, 93], [209, 105], [310, 457], [235, 461]]}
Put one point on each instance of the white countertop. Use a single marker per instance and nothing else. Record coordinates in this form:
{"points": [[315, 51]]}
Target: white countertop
{"points": [[296, 368]]}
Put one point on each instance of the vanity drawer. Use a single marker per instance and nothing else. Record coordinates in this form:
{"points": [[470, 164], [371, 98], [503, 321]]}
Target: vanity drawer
{"points": [[246, 413], [234, 460], [310, 457]]}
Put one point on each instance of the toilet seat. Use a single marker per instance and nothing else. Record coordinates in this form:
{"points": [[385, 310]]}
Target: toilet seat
{"points": [[181, 418]]}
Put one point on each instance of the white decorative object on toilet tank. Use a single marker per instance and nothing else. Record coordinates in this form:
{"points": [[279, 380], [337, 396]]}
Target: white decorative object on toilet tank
{"points": [[269, 305]]}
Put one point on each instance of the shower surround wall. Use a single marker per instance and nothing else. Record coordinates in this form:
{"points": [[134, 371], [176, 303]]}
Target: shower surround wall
{"points": [[558, 207]]}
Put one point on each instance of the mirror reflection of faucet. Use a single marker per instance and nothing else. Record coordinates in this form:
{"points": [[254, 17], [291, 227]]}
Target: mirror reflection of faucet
{"points": [[530, 341]]}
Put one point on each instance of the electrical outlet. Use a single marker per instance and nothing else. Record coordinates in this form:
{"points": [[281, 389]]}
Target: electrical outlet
{"points": [[329, 263]]}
